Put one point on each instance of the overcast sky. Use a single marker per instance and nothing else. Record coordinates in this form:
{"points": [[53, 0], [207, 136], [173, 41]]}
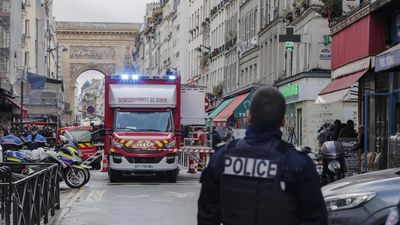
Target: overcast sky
{"points": [[100, 10]]}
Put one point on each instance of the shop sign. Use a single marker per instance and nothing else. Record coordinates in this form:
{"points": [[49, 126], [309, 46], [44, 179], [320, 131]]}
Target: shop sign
{"points": [[325, 54], [289, 45], [351, 146], [242, 109], [387, 61], [291, 90]]}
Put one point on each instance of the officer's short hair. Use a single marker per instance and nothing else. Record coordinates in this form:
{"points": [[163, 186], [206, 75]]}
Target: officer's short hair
{"points": [[267, 106]]}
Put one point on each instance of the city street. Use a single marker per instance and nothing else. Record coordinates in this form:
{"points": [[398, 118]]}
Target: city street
{"points": [[136, 200]]}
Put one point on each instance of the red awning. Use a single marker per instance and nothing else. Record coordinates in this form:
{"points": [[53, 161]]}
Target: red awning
{"points": [[17, 104], [342, 82], [339, 88], [228, 110]]}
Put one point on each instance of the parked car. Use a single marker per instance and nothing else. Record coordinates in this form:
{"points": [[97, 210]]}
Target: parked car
{"points": [[363, 199]]}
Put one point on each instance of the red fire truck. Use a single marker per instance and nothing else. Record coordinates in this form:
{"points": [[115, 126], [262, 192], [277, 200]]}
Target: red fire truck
{"points": [[143, 114]]}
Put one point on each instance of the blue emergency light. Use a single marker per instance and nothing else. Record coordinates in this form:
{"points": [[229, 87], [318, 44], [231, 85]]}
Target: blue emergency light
{"points": [[124, 76], [137, 77]]}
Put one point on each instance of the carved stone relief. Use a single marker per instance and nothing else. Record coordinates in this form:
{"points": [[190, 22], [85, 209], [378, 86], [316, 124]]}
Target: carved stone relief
{"points": [[85, 52], [106, 67], [89, 37]]}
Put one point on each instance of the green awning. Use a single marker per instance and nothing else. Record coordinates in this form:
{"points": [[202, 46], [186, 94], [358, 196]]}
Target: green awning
{"points": [[220, 108], [244, 106]]}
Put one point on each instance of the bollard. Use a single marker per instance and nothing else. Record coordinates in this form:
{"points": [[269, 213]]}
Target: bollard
{"points": [[202, 162], [192, 168], [104, 164]]}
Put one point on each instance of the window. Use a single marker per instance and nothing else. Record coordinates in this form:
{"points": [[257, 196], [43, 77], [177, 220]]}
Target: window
{"points": [[250, 75], [255, 73], [81, 136], [26, 31], [26, 59], [144, 121]]}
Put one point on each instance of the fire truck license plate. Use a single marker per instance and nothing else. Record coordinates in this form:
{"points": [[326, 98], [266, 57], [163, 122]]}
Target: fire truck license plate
{"points": [[143, 166]]}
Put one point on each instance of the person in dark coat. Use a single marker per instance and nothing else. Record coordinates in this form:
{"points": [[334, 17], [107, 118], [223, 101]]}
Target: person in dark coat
{"points": [[338, 127], [216, 138], [348, 131], [261, 179]]}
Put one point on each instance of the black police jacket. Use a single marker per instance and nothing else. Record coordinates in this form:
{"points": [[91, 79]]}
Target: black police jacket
{"points": [[298, 178]]}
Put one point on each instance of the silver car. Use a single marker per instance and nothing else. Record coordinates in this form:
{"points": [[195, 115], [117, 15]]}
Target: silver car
{"points": [[363, 199]]}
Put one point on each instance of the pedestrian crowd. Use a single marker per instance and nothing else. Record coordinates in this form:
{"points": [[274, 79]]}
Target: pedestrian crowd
{"points": [[30, 133], [338, 130], [45, 131]]}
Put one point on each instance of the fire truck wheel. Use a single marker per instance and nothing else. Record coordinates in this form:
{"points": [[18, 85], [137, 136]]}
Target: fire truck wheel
{"points": [[172, 176], [114, 175]]}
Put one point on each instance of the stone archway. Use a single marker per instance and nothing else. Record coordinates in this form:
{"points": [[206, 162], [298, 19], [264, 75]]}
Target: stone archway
{"points": [[105, 47]]}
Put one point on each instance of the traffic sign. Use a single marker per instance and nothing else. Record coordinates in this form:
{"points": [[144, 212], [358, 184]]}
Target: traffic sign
{"points": [[90, 109], [207, 104]]}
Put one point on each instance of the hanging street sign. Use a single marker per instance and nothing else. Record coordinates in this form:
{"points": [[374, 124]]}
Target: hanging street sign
{"points": [[289, 38]]}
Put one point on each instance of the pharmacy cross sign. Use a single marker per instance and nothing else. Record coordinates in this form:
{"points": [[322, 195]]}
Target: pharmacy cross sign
{"points": [[289, 38]]}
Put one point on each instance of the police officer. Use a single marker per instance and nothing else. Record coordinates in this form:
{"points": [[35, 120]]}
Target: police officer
{"points": [[261, 179], [35, 140]]}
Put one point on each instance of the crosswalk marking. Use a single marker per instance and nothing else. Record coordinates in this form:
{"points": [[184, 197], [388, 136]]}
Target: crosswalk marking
{"points": [[95, 196], [180, 195]]}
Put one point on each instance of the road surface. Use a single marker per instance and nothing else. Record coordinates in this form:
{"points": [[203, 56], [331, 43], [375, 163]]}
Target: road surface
{"points": [[136, 200]]}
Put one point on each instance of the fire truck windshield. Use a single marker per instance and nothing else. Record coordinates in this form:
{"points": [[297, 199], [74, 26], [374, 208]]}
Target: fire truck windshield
{"points": [[82, 136], [143, 121]]}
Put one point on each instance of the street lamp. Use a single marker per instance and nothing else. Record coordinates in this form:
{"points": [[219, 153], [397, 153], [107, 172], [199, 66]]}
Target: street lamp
{"points": [[64, 49], [202, 46], [23, 78]]}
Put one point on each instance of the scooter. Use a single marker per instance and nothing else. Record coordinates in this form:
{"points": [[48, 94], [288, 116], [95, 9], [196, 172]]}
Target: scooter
{"points": [[332, 156]]}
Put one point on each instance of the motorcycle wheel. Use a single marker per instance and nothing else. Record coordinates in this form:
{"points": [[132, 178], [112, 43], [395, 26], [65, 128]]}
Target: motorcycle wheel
{"points": [[74, 177], [87, 176]]}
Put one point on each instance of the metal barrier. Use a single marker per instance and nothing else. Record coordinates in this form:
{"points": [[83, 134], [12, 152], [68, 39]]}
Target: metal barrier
{"points": [[184, 157], [29, 200]]}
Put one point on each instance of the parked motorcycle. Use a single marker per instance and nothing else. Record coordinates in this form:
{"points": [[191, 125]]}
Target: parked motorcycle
{"points": [[332, 156], [12, 143], [67, 156]]}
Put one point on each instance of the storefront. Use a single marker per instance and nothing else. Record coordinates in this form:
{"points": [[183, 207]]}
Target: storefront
{"points": [[217, 110], [304, 116], [10, 111], [382, 106], [356, 40], [232, 112]]}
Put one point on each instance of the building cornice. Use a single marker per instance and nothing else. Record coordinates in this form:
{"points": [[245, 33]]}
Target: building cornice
{"points": [[270, 25], [97, 27], [350, 19], [242, 90], [317, 73]]}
